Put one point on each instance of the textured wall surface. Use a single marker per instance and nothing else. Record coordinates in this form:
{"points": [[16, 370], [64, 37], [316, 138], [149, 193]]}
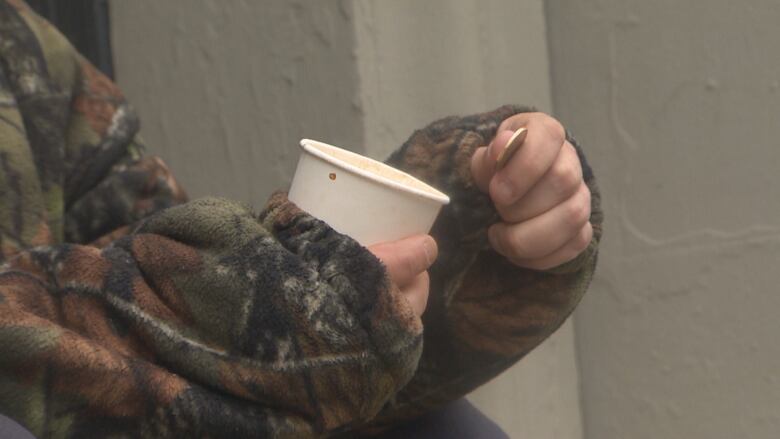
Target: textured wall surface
{"points": [[226, 89], [419, 61], [678, 103]]}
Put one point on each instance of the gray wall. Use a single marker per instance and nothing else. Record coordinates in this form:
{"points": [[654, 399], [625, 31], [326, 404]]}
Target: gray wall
{"points": [[678, 104], [226, 89]]}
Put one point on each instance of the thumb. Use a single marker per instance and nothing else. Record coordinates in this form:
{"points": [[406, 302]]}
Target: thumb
{"points": [[406, 258], [483, 162]]}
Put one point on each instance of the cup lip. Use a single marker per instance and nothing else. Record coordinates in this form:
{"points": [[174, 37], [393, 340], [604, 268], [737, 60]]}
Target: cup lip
{"points": [[308, 145]]}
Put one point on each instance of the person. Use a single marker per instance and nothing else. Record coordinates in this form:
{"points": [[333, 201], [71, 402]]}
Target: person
{"points": [[127, 310]]}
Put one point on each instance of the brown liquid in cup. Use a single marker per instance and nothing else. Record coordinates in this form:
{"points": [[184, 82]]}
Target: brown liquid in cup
{"points": [[377, 168]]}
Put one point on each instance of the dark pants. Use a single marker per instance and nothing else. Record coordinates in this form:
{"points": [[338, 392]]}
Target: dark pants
{"points": [[458, 420]]}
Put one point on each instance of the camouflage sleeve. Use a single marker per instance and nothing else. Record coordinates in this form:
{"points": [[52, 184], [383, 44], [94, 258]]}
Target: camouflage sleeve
{"points": [[208, 321], [108, 183], [71, 165], [484, 313]]}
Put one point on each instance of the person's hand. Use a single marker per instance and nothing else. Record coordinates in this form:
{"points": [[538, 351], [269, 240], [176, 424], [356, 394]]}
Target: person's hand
{"points": [[539, 194], [406, 261]]}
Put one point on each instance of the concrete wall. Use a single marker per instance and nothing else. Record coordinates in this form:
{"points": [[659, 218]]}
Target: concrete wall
{"points": [[678, 104], [226, 89]]}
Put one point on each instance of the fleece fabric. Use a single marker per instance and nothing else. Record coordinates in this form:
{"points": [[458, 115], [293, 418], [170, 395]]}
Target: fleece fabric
{"points": [[127, 311]]}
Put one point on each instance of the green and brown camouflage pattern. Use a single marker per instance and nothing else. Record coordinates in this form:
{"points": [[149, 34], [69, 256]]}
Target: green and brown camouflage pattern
{"points": [[70, 161], [483, 313], [126, 311]]}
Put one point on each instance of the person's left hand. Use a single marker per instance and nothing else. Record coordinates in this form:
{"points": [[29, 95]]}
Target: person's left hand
{"points": [[539, 194]]}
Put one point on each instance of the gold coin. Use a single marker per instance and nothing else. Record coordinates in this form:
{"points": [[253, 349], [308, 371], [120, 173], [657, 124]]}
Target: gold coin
{"points": [[514, 143]]}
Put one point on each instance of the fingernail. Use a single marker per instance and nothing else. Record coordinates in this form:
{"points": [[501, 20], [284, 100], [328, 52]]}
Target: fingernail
{"points": [[505, 193]]}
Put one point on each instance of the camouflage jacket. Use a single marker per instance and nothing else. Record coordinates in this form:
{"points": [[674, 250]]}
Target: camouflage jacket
{"points": [[126, 311]]}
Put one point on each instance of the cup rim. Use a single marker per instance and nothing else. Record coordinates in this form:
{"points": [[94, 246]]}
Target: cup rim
{"points": [[308, 145]]}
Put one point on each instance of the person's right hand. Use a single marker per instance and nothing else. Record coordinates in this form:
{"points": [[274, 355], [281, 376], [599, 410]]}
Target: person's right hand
{"points": [[406, 261]]}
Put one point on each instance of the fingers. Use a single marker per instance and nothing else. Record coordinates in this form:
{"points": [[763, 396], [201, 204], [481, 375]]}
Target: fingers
{"points": [[569, 251], [542, 145], [539, 193], [483, 163], [416, 292], [407, 258], [482, 168], [406, 261], [560, 182], [543, 234], [519, 120]]}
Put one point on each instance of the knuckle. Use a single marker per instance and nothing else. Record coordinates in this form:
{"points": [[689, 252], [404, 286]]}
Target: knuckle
{"points": [[425, 290], [393, 265], [507, 213], [582, 241], [566, 178], [535, 166], [494, 237], [554, 129], [507, 124], [578, 211], [425, 281], [517, 247], [432, 253], [418, 285], [586, 199], [412, 265]]}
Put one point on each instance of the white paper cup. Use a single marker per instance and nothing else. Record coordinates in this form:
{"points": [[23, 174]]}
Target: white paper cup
{"points": [[360, 197]]}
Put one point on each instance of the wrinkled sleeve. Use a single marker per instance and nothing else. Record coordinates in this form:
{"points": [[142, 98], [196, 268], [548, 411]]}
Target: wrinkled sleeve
{"points": [[109, 184], [71, 161], [207, 321], [484, 313], [126, 311]]}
